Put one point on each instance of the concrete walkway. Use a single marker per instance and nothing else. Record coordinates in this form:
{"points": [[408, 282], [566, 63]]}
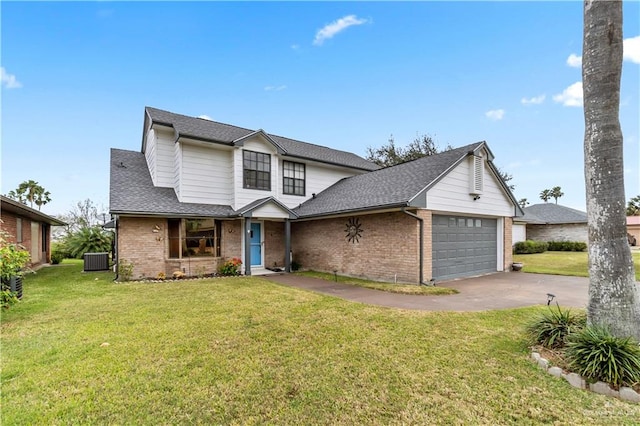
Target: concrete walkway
{"points": [[495, 291]]}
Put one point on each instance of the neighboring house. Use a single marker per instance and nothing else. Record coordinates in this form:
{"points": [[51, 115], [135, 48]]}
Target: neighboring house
{"points": [[201, 192], [633, 228], [29, 228], [551, 222]]}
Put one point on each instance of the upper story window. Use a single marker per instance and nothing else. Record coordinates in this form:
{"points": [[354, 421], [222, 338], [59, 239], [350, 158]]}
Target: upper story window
{"points": [[293, 178], [256, 170]]}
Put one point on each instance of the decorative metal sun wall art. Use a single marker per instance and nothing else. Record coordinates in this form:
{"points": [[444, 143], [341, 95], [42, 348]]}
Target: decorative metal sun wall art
{"points": [[353, 230]]}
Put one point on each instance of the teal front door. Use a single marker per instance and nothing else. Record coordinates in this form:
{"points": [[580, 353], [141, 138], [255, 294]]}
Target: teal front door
{"points": [[256, 244]]}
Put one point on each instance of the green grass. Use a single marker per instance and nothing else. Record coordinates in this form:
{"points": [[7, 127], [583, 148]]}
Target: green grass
{"points": [[376, 285], [247, 351], [563, 263]]}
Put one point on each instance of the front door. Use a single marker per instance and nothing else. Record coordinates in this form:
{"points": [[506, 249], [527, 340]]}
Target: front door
{"points": [[256, 244]]}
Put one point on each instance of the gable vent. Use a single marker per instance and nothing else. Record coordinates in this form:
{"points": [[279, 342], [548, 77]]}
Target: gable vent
{"points": [[476, 174]]}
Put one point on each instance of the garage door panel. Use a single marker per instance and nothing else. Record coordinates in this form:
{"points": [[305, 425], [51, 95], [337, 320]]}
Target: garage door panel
{"points": [[463, 246]]}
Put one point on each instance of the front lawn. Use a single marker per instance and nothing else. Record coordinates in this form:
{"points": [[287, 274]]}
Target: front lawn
{"points": [[563, 263], [376, 285], [80, 349]]}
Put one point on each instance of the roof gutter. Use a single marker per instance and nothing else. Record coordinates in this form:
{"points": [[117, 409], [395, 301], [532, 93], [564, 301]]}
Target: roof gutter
{"points": [[421, 226]]}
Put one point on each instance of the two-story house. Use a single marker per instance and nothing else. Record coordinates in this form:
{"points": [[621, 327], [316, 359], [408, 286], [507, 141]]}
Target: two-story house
{"points": [[200, 192]]}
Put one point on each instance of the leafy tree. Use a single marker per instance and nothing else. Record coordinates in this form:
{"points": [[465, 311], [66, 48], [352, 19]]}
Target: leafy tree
{"points": [[422, 146], [546, 195], [614, 297], [523, 202], [30, 192], [633, 206], [83, 214], [556, 192], [89, 240]]}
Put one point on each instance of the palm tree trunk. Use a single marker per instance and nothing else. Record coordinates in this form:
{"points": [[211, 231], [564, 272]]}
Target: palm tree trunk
{"points": [[614, 298]]}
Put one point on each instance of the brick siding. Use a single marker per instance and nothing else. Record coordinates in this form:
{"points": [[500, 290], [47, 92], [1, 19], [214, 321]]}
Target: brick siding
{"points": [[387, 249], [508, 248], [561, 232], [10, 226], [274, 244]]}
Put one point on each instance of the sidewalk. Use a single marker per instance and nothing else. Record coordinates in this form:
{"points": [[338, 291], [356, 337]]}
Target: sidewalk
{"points": [[488, 292]]}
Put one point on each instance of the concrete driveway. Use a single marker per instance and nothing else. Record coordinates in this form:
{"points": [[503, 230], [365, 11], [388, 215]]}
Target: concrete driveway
{"points": [[495, 291]]}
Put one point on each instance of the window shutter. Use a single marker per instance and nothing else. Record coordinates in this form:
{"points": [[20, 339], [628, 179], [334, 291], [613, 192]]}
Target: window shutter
{"points": [[476, 175]]}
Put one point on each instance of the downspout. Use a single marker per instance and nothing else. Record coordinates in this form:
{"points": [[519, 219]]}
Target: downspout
{"points": [[421, 227], [117, 222]]}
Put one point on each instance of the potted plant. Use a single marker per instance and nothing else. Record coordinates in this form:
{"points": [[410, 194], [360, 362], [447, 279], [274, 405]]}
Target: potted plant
{"points": [[517, 266]]}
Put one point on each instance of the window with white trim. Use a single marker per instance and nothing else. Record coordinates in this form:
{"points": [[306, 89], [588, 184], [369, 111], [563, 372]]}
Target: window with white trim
{"points": [[293, 178], [256, 170]]}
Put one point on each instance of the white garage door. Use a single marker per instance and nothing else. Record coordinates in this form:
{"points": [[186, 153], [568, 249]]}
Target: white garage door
{"points": [[463, 246]]}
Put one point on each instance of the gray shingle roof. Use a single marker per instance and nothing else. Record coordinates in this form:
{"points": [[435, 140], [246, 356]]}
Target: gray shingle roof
{"points": [[132, 192], [224, 133], [551, 213], [389, 187]]}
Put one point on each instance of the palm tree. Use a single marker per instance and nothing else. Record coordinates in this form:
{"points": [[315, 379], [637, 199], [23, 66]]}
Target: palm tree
{"points": [[546, 195], [30, 191], [556, 192], [614, 298]]}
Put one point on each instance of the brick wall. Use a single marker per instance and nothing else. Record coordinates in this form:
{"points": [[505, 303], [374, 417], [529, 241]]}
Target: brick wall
{"points": [[9, 225], [508, 238], [273, 244], [141, 246], [231, 239], [428, 243], [148, 250], [387, 249], [564, 232]]}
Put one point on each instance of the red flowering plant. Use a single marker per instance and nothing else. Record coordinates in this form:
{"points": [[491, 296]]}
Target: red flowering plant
{"points": [[230, 267]]}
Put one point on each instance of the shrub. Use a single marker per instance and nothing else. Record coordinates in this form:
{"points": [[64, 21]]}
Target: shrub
{"points": [[295, 266], [530, 247], [8, 297], [125, 270], [552, 328], [59, 252], [89, 240], [13, 260], [230, 267], [567, 246], [597, 354]]}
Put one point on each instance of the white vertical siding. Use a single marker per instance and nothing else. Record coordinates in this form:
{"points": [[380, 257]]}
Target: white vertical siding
{"points": [[150, 153], [451, 194], [206, 175], [165, 173], [177, 169]]}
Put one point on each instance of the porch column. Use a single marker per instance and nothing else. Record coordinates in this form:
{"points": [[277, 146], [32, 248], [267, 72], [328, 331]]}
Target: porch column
{"points": [[287, 245], [247, 245]]}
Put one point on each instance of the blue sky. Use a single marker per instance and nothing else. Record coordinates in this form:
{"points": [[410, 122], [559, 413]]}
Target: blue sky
{"points": [[77, 76]]}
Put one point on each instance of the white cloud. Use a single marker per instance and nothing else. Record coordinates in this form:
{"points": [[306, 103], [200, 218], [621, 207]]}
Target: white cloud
{"points": [[205, 117], [275, 88], [536, 100], [495, 114], [571, 96], [631, 49], [9, 81], [295, 46], [330, 30], [574, 61]]}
